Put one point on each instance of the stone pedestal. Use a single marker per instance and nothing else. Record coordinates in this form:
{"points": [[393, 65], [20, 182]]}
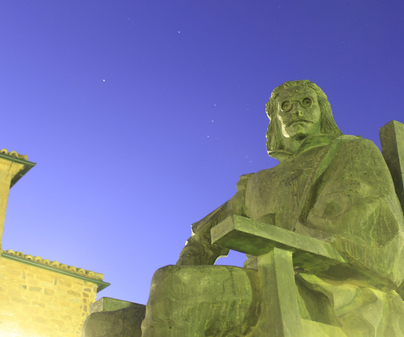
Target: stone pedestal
{"points": [[114, 318]]}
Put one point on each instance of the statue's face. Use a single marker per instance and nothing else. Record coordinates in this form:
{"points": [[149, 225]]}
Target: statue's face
{"points": [[299, 112]]}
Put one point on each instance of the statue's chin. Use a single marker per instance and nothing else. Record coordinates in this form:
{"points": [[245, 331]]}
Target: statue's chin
{"points": [[300, 135], [298, 131]]}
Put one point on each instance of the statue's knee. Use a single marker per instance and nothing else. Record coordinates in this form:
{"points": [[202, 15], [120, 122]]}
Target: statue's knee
{"points": [[164, 282], [185, 282], [187, 297], [164, 273], [180, 282]]}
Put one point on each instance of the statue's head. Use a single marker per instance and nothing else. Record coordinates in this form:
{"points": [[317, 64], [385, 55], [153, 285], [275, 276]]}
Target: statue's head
{"points": [[296, 110]]}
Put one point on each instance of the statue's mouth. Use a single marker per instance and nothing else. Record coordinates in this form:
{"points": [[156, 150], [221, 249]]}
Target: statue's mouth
{"points": [[298, 121]]}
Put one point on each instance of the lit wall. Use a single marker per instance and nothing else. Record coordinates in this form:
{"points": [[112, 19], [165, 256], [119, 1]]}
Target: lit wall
{"points": [[38, 302]]}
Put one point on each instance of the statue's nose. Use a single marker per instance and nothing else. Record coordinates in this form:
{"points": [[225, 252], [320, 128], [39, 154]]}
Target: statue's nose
{"points": [[297, 112]]}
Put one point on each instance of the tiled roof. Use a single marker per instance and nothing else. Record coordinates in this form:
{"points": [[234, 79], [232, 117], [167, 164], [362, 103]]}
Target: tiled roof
{"points": [[14, 154], [57, 265]]}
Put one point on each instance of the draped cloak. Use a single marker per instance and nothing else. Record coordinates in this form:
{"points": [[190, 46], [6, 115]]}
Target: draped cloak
{"points": [[338, 190]]}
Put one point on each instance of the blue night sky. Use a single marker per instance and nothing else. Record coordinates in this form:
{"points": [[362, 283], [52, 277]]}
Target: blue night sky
{"points": [[142, 115]]}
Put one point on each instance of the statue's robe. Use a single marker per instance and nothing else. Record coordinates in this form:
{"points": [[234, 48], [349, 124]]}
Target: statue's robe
{"points": [[334, 189]]}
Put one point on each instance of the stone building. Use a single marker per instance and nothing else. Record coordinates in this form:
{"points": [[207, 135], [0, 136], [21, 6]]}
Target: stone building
{"points": [[38, 297]]}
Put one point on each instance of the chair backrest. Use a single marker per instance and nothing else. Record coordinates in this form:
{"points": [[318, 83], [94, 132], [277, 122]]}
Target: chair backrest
{"points": [[392, 141]]}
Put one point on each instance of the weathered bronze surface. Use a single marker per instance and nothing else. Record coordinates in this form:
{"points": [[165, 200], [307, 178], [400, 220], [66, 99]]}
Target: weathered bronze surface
{"points": [[323, 233]]}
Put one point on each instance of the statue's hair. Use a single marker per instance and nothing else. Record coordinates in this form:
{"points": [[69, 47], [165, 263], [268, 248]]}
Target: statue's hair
{"points": [[276, 142]]}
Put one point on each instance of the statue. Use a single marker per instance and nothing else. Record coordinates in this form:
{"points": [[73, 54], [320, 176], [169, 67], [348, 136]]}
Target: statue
{"points": [[331, 203]]}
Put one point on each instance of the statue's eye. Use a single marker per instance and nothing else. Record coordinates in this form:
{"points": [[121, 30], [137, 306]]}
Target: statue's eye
{"points": [[306, 102], [286, 106]]}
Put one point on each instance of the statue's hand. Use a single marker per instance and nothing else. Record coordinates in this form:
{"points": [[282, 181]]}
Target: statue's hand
{"points": [[190, 254], [198, 251]]}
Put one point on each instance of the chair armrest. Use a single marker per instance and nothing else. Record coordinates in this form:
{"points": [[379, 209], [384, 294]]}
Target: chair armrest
{"points": [[258, 238]]}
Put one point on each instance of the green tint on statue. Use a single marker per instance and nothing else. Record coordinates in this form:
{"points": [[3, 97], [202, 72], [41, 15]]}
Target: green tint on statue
{"points": [[323, 234]]}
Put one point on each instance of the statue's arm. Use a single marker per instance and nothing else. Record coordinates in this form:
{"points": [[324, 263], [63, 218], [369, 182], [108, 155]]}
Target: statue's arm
{"points": [[198, 249], [355, 202]]}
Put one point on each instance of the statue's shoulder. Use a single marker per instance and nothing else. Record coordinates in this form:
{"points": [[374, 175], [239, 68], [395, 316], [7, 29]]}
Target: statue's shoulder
{"points": [[243, 181], [352, 150], [354, 143], [347, 144], [252, 179]]}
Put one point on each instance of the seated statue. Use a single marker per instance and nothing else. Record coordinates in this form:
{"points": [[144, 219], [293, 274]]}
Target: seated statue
{"points": [[327, 186]]}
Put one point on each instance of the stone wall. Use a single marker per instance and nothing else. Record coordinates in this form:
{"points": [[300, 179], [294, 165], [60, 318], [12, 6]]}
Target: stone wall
{"points": [[36, 302]]}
